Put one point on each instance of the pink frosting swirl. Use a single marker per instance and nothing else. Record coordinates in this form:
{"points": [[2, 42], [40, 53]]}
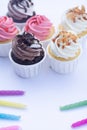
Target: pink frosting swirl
{"points": [[39, 26], [7, 28]]}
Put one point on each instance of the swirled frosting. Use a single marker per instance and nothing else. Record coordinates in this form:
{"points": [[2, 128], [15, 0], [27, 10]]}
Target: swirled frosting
{"points": [[65, 45], [76, 19], [7, 28], [40, 26], [26, 48], [20, 10]]}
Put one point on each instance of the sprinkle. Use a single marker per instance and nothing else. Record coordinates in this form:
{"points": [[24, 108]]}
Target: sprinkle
{"points": [[10, 128], [12, 104], [79, 123], [9, 116], [11, 92], [74, 105]]}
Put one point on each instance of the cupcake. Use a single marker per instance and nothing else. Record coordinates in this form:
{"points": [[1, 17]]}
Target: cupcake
{"points": [[63, 52], [75, 19], [8, 30], [27, 55], [20, 11], [41, 27]]}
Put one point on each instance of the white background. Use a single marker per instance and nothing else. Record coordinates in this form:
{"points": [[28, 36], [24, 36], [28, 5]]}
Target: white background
{"points": [[49, 90]]}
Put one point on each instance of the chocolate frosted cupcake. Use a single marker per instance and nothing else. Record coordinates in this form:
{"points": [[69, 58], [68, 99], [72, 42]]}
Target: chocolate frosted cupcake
{"points": [[20, 11], [26, 55]]}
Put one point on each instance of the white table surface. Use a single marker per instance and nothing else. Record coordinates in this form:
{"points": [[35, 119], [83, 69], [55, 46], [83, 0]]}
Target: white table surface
{"points": [[49, 90]]}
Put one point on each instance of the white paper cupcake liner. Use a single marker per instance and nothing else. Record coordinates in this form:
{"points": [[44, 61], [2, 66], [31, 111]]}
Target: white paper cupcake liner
{"points": [[27, 71], [62, 67], [6, 46], [4, 49], [83, 42]]}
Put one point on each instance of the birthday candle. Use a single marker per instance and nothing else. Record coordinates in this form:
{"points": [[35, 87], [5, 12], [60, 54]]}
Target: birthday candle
{"points": [[11, 92], [9, 116], [10, 128], [79, 123], [74, 105], [12, 104]]}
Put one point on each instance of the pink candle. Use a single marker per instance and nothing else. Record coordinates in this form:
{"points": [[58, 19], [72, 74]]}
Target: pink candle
{"points": [[79, 123], [10, 128]]}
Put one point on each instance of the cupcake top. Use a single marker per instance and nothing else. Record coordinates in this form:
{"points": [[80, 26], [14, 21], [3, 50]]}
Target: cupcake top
{"points": [[20, 10], [65, 45], [26, 47], [39, 25], [76, 19], [7, 29]]}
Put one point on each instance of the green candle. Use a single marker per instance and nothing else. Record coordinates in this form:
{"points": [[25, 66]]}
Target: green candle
{"points": [[74, 105]]}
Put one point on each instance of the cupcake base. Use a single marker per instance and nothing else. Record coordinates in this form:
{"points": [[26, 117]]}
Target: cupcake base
{"points": [[27, 71], [62, 59], [61, 65], [4, 48], [82, 34]]}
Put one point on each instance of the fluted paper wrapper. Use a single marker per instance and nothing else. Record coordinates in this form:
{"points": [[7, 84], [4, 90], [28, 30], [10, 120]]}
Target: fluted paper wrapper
{"points": [[5, 48], [27, 71], [62, 67], [83, 42]]}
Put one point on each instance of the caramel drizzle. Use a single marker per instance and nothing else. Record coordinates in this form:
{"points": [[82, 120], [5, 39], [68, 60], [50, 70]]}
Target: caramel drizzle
{"points": [[76, 12], [64, 37]]}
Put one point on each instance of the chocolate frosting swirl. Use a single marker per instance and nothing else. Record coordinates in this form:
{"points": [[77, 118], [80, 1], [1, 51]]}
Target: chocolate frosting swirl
{"points": [[26, 47], [20, 10]]}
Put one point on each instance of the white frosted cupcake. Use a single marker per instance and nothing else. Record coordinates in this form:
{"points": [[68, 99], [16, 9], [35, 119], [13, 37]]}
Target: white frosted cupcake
{"points": [[63, 52], [8, 30], [75, 19], [41, 27], [27, 55], [20, 11]]}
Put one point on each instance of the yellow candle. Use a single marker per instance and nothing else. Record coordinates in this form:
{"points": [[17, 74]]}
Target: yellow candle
{"points": [[12, 104]]}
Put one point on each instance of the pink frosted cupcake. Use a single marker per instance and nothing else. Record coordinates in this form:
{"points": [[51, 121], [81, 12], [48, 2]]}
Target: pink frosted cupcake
{"points": [[7, 32], [41, 27]]}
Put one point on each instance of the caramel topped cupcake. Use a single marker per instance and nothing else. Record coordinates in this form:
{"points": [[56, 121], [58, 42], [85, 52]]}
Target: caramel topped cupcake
{"points": [[65, 46], [75, 19], [63, 52]]}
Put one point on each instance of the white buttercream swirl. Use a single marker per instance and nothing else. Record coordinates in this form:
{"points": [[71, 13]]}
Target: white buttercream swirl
{"points": [[66, 52]]}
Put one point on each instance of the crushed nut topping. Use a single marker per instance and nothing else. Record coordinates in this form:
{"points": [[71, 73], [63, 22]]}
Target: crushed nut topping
{"points": [[65, 38], [74, 13]]}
